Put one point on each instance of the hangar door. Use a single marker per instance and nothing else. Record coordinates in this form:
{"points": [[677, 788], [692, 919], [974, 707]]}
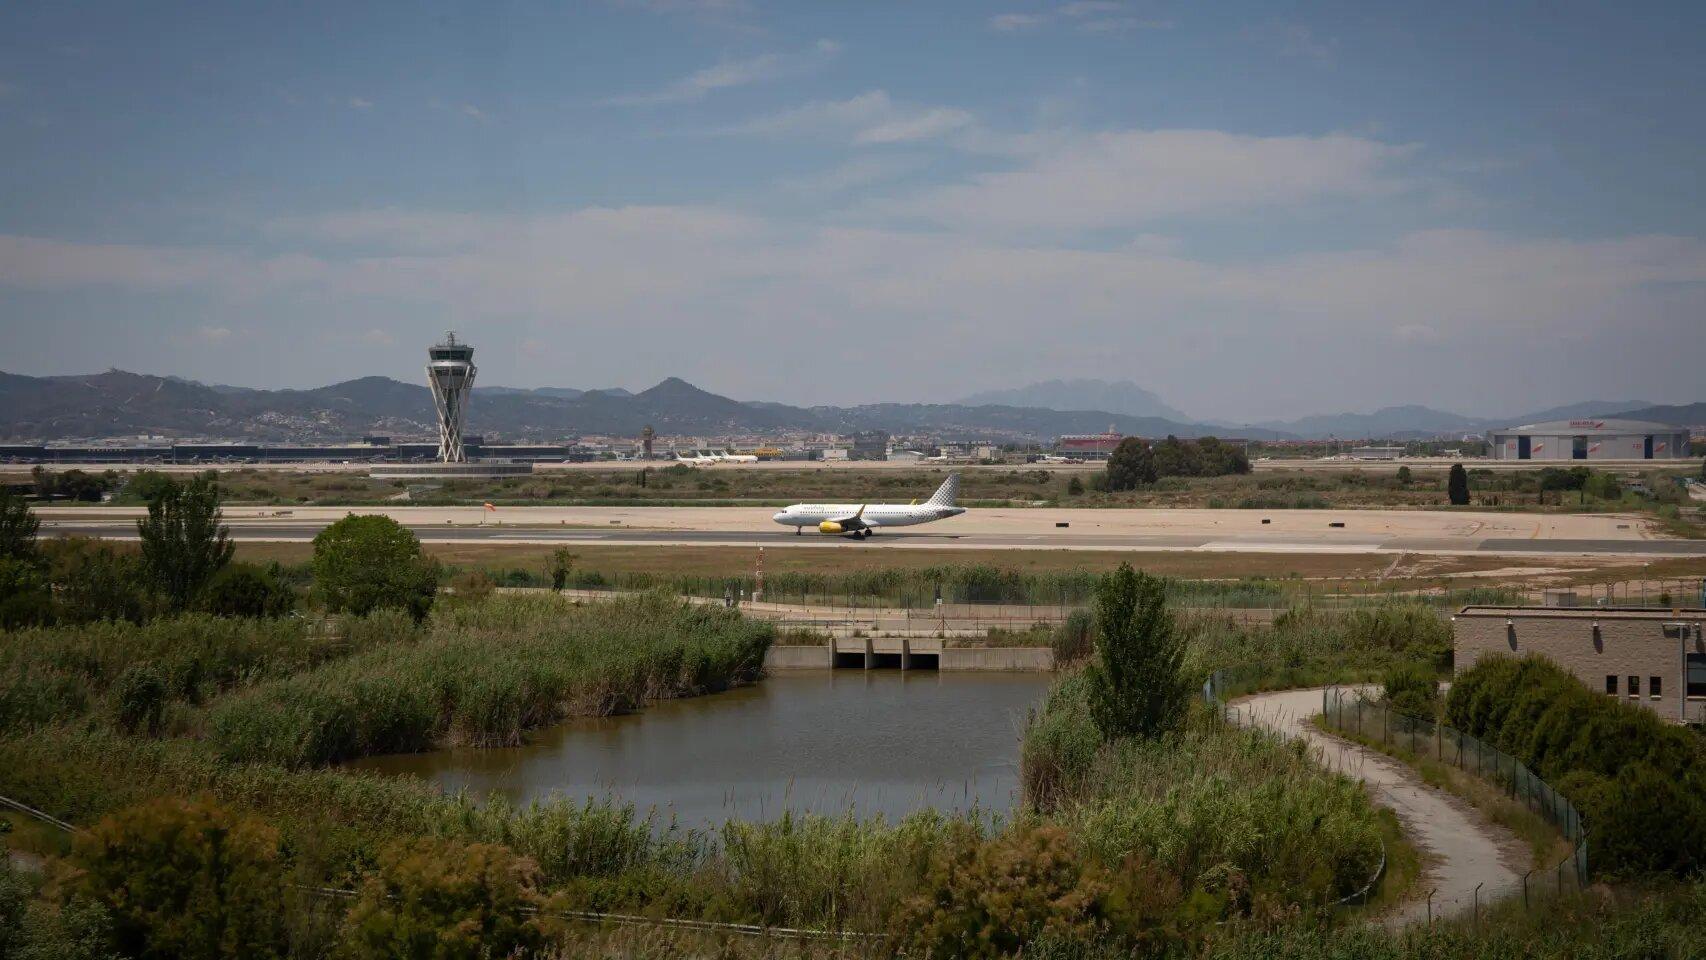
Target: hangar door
{"points": [[1522, 451]]}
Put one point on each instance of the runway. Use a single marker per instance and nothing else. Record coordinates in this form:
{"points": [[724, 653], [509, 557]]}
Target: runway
{"points": [[1230, 531]]}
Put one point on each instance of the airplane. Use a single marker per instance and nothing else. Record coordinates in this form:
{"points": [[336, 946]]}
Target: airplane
{"points": [[1057, 459], [860, 520], [696, 459], [726, 457]]}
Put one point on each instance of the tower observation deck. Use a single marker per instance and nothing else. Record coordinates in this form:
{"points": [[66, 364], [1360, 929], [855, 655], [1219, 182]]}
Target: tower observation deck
{"points": [[450, 373]]}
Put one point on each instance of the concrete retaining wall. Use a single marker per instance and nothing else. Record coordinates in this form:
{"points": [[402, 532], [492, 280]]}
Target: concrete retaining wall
{"points": [[1010, 659], [797, 658]]}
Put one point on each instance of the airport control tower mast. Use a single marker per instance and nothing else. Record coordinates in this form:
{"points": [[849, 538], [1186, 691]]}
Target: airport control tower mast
{"points": [[450, 373]]}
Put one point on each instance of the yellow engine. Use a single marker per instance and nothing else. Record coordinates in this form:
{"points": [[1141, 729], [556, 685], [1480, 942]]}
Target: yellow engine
{"points": [[829, 526]]}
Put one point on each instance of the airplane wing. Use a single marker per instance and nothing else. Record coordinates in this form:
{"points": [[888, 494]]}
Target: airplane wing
{"points": [[855, 522]]}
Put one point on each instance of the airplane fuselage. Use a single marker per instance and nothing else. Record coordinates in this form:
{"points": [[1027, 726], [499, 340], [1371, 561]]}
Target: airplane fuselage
{"points": [[874, 514]]}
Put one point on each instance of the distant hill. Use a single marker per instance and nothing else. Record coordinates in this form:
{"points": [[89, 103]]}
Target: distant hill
{"points": [[117, 403], [1121, 396], [1419, 422], [1681, 415]]}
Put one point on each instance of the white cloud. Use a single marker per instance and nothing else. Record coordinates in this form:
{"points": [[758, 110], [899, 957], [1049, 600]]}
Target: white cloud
{"points": [[1016, 22], [732, 73], [858, 172], [214, 334], [1086, 16], [1298, 41], [360, 103], [869, 118], [1128, 177]]}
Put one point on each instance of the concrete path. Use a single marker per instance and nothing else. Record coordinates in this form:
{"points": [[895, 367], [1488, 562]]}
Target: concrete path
{"points": [[1461, 848]]}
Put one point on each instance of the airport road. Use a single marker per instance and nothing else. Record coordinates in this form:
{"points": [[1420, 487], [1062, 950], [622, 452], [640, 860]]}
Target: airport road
{"points": [[1232, 531]]}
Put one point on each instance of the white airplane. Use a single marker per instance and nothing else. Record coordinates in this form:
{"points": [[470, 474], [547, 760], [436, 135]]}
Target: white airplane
{"points": [[726, 457], [695, 459], [859, 520], [1056, 459]]}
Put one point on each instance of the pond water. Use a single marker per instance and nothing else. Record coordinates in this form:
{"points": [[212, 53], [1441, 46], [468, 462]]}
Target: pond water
{"points": [[872, 742]]}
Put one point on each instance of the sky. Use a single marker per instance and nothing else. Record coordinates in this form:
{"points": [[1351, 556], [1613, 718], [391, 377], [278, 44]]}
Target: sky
{"points": [[1256, 210]]}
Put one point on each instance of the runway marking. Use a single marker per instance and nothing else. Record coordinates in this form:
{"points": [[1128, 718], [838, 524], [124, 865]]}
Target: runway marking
{"points": [[1237, 546]]}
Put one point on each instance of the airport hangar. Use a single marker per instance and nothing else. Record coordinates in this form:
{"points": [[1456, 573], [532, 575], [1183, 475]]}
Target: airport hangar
{"points": [[1590, 440]]}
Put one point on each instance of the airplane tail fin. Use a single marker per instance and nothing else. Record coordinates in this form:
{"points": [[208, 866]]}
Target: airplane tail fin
{"points": [[946, 493]]}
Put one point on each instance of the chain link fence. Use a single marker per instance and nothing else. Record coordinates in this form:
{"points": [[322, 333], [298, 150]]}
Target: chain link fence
{"points": [[1350, 711]]}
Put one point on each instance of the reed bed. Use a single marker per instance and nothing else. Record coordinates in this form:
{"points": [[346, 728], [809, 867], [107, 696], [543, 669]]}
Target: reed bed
{"points": [[485, 674], [58, 674], [1239, 814]]}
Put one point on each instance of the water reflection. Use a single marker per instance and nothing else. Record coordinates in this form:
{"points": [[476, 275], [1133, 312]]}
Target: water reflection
{"points": [[823, 741]]}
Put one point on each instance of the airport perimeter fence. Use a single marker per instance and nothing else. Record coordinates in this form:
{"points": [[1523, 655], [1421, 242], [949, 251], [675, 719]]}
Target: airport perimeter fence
{"points": [[1352, 712], [1019, 603]]}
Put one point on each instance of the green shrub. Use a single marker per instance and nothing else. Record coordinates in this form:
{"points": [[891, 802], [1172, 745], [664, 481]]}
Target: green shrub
{"points": [[245, 590], [1412, 690], [1639, 782], [185, 879], [443, 900]]}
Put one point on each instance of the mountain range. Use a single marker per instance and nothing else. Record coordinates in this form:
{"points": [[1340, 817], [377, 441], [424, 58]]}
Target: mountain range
{"points": [[1120, 396], [118, 403]]}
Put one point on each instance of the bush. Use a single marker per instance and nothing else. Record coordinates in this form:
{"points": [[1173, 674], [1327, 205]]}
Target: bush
{"points": [[992, 899], [472, 586], [96, 580], [1411, 690], [1457, 486], [26, 599], [1639, 782], [367, 563], [184, 541], [443, 900], [245, 590], [185, 879]]}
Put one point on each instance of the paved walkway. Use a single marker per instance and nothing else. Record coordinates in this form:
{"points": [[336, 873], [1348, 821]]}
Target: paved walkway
{"points": [[1461, 848]]}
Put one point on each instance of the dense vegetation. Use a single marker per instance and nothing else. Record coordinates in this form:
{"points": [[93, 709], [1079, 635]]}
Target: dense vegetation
{"points": [[485, 674], [1639, 781]]}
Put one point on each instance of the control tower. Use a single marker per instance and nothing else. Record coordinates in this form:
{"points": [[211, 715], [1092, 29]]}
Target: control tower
{"points": [[450, 372]]}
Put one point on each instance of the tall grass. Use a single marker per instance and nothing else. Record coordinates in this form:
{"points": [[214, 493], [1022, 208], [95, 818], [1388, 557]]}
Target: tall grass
{"points": [[485, 674], [1237, 813], [57, 674], [1306, 646]]}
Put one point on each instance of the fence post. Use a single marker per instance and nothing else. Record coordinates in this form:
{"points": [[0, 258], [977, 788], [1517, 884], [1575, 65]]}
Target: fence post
{"points": [[1478, 904], [1525, 889]]}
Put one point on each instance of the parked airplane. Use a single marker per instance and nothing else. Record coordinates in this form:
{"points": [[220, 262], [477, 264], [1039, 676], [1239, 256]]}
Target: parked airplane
{"points": [[727, 457], [859, 520], [695, 459]]}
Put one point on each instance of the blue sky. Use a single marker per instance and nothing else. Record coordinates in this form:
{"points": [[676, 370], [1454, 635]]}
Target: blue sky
{"points": [[1256, 210]]}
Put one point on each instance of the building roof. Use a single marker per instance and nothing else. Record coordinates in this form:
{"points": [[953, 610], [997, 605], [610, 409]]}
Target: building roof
{"points": [[1593, 426]]}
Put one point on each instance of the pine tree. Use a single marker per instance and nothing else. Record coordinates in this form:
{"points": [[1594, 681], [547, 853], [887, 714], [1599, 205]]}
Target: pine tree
{"points": [[1457, 486], [1136, 679]]}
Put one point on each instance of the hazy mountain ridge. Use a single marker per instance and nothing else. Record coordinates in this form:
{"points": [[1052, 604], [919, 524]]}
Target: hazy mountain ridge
{"points": [[119, 403], [1114, 396]]}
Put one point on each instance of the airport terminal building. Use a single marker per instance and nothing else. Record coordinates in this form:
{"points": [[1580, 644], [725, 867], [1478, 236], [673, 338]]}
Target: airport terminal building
{"points": [[1590, 440]]}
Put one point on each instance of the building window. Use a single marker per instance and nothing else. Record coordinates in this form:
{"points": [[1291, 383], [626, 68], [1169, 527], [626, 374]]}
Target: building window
{"points": [[1655, 687], [1611, 684], [1634, 686], [1697, 674]]}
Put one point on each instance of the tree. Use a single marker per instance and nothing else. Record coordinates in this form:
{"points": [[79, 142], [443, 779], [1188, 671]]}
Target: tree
{"points": [[18, 526], [1136, 678], [184, 542], [1176, 458], [185, 879], [1131, 466], [1457, 485], [246, 590], [1404, 475], [560, 564], [365, 563], [1074, 487], [1218, 459]]}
